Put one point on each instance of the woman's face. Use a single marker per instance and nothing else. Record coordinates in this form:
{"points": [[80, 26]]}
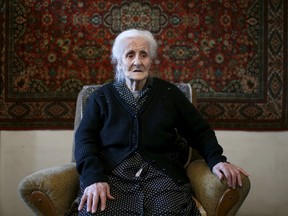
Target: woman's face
{"points": [[136, 60]]}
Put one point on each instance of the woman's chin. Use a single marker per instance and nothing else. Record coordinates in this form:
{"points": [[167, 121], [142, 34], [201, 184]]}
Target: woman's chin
{"points": [[138, 77]]}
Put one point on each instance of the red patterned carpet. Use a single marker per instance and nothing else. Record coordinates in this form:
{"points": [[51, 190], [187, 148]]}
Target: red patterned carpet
{"points": [[234, 53]]}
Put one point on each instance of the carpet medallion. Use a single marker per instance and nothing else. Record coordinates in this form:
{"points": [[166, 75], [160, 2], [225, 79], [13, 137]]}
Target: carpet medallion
{"points": [[234, 53]]}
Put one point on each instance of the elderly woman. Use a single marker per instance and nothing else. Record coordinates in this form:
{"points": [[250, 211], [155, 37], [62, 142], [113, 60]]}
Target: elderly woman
{"points": [[125, 145]]}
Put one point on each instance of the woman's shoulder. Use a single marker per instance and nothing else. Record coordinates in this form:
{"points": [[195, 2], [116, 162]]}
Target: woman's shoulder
{"points": [[95, 91], [104, 87], [160, 81], [164, 84]]}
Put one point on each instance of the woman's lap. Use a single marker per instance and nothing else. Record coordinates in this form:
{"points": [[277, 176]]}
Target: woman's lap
{"points": [[151, 193]]}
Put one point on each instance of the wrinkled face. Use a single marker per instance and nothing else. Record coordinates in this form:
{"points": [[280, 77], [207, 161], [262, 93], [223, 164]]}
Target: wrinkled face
{"points": [[136, 61]]}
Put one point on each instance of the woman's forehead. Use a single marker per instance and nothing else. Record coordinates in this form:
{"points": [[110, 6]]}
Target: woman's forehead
{"points": [[134, 43]]}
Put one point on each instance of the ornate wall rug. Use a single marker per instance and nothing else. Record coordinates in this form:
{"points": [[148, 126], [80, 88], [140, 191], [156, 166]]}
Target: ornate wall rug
{"points": [[233, 53]]}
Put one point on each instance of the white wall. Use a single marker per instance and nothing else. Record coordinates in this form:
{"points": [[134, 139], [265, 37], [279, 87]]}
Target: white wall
{"points": [[23, 153], [262, 154]]}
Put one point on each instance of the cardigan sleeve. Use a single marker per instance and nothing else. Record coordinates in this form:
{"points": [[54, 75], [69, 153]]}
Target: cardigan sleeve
{"points": [[199, 135], [87, 142]]}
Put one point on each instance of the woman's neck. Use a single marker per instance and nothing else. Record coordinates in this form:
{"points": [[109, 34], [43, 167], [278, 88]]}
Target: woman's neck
{"points": [[135, 85]]}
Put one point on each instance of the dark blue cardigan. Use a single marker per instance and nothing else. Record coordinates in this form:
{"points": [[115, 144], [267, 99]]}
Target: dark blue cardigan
{"points": [[110, 131]]}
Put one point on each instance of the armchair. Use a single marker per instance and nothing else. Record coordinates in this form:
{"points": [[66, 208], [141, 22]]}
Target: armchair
{"points": [[53, 190]]}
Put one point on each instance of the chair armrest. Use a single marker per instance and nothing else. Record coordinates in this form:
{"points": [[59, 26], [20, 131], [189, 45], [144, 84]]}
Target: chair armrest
{"points": [[50, 191], [215, 196]]}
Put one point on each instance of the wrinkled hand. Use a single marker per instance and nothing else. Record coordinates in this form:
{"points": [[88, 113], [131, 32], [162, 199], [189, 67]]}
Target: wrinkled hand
{"points": [[92, 195], [231, 172]]}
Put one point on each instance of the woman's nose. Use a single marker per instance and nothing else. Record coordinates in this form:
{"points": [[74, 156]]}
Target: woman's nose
{"points": [[137, 61]]}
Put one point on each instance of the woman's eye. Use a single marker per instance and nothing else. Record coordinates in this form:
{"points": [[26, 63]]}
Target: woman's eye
{"points": [[130, 56]]}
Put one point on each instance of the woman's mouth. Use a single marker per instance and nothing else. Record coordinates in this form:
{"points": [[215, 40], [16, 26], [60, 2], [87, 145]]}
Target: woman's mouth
{"points": [[137, 71]]}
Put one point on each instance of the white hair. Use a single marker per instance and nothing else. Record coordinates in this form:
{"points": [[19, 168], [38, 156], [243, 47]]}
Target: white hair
{"points": [[118, 48]]}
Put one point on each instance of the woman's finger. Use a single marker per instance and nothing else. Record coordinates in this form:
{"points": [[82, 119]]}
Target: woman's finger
{"points": [[82, 202], [89, 202], [95, 202]]}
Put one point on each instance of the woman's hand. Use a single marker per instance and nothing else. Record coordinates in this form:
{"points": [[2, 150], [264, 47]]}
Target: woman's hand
{"points": [[92, 195], [231, 172]]}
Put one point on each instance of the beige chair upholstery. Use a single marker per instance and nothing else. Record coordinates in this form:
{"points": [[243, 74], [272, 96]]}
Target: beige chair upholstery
{"points": [[53, 190]]}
